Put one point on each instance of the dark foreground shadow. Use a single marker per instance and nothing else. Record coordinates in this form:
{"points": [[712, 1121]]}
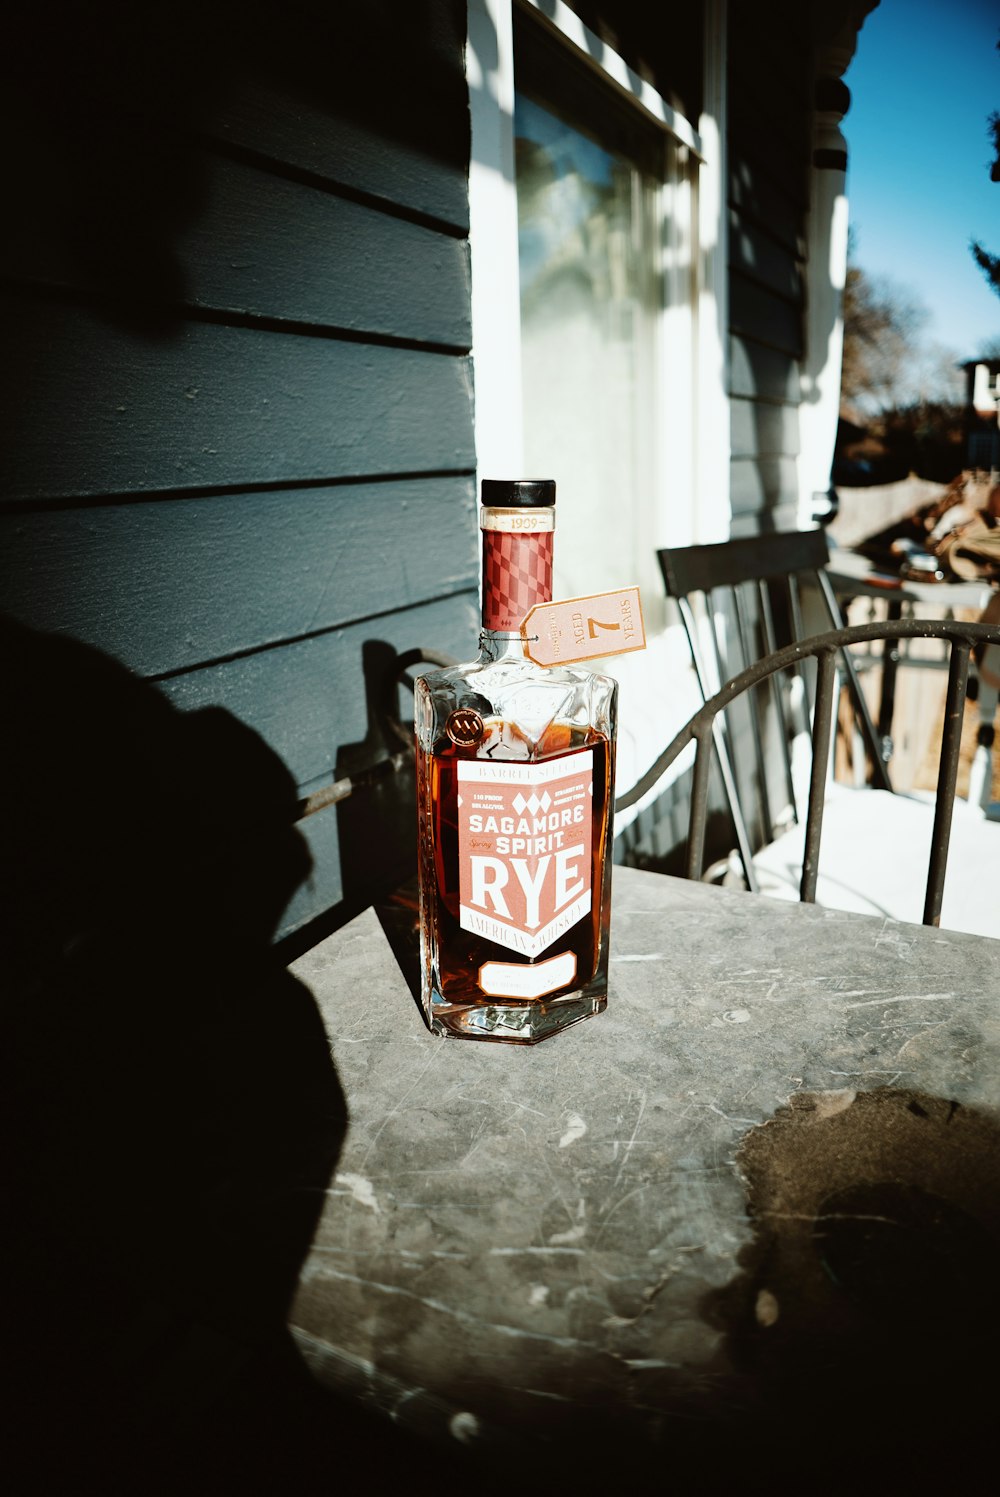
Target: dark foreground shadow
{"points": [[858, 1346], [863, 1332], [171, 1113], [859, 1342]]}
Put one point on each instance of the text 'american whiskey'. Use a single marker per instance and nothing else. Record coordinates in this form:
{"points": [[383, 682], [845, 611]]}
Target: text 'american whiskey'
{"points": [[515, 789]]}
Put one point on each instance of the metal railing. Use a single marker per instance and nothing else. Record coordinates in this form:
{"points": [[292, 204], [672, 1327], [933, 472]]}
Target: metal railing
{"points": [[702, 730]]}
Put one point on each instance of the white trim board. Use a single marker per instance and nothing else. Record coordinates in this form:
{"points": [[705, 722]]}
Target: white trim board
{"points": [[597, 54]]}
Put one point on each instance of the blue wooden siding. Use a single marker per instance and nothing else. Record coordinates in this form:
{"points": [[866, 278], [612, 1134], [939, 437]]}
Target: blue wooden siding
{"points": [[236, 443], [769, 159]]}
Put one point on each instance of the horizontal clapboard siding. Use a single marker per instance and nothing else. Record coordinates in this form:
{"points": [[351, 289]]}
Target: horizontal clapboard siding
{"points": [[761, 485], [762, 317], [372, 96], [760, 429], [236, 441], [329, 728], [271, 124], [307, 698], [769, 156], [324, 888], [264, 246], [761, 259], [208, 405], [759, 373], [775, 156], [238, 572], [765, 207]]}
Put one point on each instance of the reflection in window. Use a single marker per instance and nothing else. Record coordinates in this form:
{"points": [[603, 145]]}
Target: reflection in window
{"points": [[589, 302]]}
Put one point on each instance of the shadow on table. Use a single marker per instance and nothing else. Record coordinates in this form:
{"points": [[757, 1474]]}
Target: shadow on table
{"points": [[864, 1329], [859, 1341], [399, 917], [172, 1116]]}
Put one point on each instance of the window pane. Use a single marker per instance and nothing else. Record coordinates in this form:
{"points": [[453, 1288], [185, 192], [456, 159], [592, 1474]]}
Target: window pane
{"points": [[589, 301]]}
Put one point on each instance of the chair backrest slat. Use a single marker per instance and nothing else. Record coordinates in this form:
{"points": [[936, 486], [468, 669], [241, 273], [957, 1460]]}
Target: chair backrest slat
{"points": [[695, 569], [951, 742], [730, 583], [822, 737], [738, 584], [749, 654]]}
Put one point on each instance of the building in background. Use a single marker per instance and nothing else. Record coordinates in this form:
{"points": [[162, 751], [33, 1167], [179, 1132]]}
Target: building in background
{"points": [[982, 415], [275, 296]]}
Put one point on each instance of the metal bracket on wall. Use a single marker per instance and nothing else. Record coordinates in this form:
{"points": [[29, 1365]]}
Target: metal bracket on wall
{"points": [[398, 674]]}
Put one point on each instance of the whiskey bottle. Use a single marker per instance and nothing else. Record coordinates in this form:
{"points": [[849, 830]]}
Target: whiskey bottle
{"points": [[515, 791]]}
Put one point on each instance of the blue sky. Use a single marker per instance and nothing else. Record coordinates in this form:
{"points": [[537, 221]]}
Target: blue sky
{"points": [[924, 80]]}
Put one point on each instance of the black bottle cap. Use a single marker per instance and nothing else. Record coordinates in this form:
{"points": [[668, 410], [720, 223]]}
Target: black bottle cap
{"points": [[518, 493]]}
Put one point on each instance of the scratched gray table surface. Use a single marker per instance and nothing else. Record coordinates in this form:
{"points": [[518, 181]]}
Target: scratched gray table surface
{"points": [[592, 1244]]}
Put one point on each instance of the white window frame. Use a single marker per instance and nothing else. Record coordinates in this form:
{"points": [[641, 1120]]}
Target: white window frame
{"points": [[690, 503]]}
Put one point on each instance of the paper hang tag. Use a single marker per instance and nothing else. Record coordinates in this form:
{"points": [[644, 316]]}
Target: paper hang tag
{"points": [[575, 629]]}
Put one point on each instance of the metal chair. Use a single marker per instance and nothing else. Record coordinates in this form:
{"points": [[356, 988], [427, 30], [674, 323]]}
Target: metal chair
{"points": [[982, 840], [749, 596]]}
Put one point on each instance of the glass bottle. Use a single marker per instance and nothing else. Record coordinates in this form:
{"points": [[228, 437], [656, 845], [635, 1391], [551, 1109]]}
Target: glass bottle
{"points": [[515, 793]]}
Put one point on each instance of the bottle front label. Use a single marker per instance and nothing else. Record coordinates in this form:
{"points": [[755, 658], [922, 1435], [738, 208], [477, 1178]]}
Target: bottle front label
{"points": [[524, 848]]}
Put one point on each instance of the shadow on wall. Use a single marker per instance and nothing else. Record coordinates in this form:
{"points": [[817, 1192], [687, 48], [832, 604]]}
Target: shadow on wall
{"points": [[108, 109], [377, 828], [172, 1113], [105, 104], [373, 795]]}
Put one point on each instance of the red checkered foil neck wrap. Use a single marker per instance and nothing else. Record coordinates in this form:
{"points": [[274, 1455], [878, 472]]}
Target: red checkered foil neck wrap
{"points": [[517, 574]]}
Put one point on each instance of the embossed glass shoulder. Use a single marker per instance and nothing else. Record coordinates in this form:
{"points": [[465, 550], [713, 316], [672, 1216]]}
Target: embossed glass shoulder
{"points": [[515, 790]]}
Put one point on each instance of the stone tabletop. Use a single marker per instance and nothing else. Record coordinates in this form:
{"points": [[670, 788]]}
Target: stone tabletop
{"points": [[634, 1246]]}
